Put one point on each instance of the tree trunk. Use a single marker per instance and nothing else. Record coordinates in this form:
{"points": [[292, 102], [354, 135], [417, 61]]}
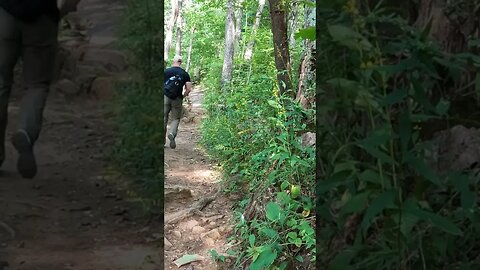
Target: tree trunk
{"points": [[189, 54], [278, 15], [293, 23], [180, 25], [229, 51], [306, 83], [258, 17], [238, 24], [170, 26], [450, 30]]}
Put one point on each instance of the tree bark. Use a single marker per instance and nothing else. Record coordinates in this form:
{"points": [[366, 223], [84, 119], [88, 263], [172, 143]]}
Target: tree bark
{"points": [[170, 27], [293, 23], [229, 50], [278, 15], [238, 23], [450, 30], [180, 25], [306, 83], [258, 17]]}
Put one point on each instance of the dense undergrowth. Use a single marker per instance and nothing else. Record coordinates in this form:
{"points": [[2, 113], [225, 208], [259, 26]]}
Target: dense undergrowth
{"points": [[139, 149], [380, 205], [255, 134]]}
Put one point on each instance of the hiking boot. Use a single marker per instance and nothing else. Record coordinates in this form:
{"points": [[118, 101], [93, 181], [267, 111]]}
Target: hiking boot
{"points": [[172, 141], [26, 164]]}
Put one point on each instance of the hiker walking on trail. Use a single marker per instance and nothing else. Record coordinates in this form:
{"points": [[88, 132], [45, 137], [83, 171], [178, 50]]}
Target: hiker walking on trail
{"points": [[176, 78], [28, 29]]}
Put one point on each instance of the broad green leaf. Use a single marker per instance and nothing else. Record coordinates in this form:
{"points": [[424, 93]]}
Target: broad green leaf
{"points": [[251, 240], [348, 37], [378, 204], [306, 33], [356, 204], [187, 258], [273, 211], [377, 153], [434, 219], [442, 107], [461, 184], [343, 259], [264, 260], [394, 97], [422, 168], [269, 232], [337, 179]]}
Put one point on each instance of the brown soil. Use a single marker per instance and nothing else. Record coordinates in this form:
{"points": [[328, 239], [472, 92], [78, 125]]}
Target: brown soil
{"points": [[190, 179]]}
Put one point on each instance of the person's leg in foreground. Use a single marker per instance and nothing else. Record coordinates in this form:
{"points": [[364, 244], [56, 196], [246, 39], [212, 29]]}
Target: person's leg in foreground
{"points": [[39, 45], [10, 44]]}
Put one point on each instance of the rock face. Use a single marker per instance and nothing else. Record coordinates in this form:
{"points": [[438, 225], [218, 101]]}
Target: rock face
{"points": [[84, 64], [456, 149]]}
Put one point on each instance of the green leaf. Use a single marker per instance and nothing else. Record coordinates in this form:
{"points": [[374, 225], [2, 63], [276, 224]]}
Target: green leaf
{"points": [[477, 84], [186, 259], [337, 179], [356, 204], [405, 130], [394, 97], [273, 211], [284, 185], [434, 219], [422, 169], [292, 235], [343, 259], [461, 184], [251, 240], [306, 33], [348, 37], [377, 153], [379, 204], [442, 107], [269, 232], [265, 259]]}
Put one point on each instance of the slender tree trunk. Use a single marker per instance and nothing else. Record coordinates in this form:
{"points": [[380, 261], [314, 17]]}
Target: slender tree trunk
{"points": [[306, 83], [229, 51], [238, 24], [170, 27], [180, 24], [189, 54], [258, 17], [293, 23], [278, 15]]}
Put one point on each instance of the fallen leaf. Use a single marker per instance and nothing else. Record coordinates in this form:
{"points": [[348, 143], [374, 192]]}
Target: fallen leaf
{"points": [[186, 259]]}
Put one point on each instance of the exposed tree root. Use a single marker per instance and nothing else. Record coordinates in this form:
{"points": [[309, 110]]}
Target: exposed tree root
{"points": [[195, 208]]}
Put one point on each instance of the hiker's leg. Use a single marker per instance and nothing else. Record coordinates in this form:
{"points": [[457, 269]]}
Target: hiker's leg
{"points": [[167, 107], [176, 115], [39, 53], [9, 52]]}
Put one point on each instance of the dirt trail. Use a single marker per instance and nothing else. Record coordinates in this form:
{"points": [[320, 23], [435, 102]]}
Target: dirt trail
{"points": [[191, 182], [71, 216]]}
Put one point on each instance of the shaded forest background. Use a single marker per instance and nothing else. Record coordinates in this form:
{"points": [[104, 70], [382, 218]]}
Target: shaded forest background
{"points": [[398, 134]]}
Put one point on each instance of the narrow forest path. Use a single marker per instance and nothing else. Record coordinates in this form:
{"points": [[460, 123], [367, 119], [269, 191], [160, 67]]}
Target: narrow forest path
{"points": [[72, 216], [197, 216]]}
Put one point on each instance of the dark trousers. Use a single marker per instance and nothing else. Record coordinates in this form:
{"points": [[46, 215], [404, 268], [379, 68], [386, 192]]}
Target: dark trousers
{"points": [[36, 44]]}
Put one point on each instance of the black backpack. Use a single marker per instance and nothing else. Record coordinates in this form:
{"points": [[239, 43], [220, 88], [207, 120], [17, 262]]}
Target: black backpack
{"points": [[173, 87]]}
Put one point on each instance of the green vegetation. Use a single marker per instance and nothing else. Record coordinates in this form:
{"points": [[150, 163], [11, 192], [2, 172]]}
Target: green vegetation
{"points": [[139, 149], [380, 204]]}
